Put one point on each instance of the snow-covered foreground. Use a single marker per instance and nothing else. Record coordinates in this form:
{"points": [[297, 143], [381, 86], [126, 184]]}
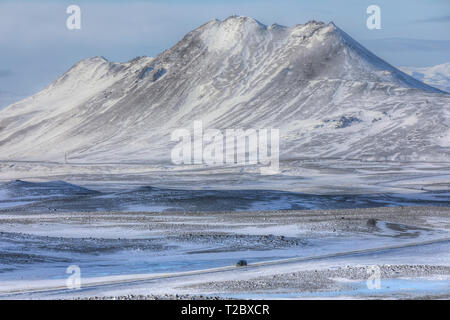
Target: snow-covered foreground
{"points": [[36, 250], [140, 222]]}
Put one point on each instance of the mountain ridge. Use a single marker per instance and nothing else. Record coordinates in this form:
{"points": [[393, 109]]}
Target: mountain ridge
{"points": [[308, 80]]}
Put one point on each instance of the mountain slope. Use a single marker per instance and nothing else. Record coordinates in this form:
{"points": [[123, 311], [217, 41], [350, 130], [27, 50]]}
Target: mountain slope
{"points": [[329, 96], [8, 97], [437, 76]]}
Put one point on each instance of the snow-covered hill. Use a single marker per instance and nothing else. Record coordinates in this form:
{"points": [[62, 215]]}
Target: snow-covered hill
{"points": [[436, 76], [329, 96]]}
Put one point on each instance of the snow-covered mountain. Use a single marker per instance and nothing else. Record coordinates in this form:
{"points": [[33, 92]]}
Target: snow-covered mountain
{"points": [[7, 97], [328, 95], [436, 76]]}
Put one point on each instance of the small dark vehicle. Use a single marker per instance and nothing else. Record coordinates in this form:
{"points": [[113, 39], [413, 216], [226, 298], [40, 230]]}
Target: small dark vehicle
{"points": [[241, 263]]}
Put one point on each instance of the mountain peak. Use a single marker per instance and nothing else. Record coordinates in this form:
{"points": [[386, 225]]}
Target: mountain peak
{"points": [[314, 50], [226, 34], [241, 23], [240, 19], [96, 59], [329, 96], [244, 21]]}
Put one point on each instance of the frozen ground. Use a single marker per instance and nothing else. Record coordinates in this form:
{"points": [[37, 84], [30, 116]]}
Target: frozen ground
{"points": [[142, 231], [301, 184], [115, 249]]}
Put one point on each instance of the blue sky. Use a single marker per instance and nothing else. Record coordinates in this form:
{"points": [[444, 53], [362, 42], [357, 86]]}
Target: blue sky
{"points": [[36, 46]]}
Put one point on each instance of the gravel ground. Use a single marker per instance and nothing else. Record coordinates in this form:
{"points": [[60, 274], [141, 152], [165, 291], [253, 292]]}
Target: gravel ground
{"points": [[235, 233], [320, 279]]}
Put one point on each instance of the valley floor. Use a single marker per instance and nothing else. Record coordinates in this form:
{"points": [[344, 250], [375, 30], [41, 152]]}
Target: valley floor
{"points": [[319, 229], [290, 254]]}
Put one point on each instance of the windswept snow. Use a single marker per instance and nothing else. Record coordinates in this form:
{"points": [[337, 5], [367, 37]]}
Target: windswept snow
{"points": [[36, 250], [236, 73]]}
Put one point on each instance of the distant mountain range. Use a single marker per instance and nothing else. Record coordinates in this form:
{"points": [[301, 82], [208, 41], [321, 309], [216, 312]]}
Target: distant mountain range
{"points": [[328, 95], [436, 76]]}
